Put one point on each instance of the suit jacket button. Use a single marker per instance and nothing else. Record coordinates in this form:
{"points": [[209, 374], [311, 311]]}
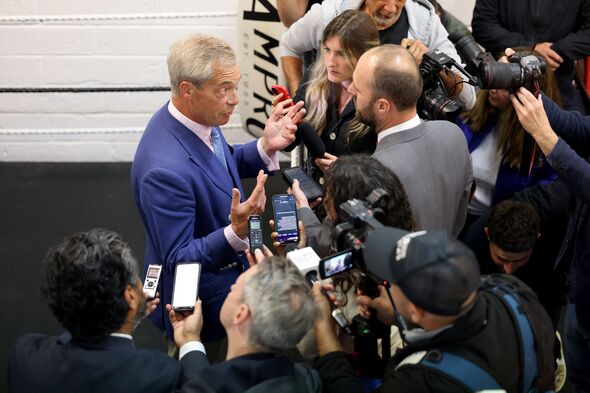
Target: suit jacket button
{"points": [[332, 135], [229, 217]]}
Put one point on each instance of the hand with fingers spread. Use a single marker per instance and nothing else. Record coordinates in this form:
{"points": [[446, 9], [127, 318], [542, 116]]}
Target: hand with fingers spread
{"points": [[187, 326], [281, 247], [281, 126], [258, 256], [533, 118], [326, 162], [252, 206]]}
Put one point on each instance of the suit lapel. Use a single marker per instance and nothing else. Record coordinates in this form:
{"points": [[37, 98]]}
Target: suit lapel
{"points": [[202, 156]]}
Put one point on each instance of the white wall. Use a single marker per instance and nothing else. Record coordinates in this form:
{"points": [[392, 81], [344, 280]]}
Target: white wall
{"points": [[82, 43]]}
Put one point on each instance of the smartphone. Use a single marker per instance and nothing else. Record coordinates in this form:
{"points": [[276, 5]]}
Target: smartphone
{"points": [[255, 233], [186, 286], [309, 187], [278, 89], [285, 217], [335, 264], [150, 285]]}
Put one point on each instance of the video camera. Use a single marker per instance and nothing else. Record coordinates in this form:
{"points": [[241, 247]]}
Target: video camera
{"points": [[360, 218]]}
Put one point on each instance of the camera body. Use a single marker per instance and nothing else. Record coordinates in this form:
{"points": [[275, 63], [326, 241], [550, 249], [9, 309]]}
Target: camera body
{"points": [[434, 103]]}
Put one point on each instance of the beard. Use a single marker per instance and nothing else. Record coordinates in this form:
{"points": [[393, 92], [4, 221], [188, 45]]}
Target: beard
{"points": [[366, 116], [384, 21]]}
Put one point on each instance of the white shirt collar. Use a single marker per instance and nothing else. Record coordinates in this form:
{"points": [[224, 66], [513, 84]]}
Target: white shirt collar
{"points": [[413, 122], [122, 335], [203, 132]]}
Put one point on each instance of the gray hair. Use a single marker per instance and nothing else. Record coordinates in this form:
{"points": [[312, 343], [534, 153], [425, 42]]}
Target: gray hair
{"points": [[282, 305], [192, 59]]}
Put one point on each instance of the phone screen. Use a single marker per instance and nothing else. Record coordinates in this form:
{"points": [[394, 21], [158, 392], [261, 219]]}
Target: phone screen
{"points": [[255, 233], [285, 217], [335, 264], [309, 187], [186, 286]]}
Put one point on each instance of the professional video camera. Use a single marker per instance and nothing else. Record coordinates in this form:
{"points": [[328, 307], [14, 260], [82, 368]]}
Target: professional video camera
{"points": [[434, 103], [360, 217]]}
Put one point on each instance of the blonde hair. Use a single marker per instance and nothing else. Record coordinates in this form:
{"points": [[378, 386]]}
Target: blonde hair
{"points": [[357, 33], [511, 131], [192, 59]]}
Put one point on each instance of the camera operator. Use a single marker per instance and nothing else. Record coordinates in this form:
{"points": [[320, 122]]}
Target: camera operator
{"points": [[574, 171], [430, 158], [435, 299]]}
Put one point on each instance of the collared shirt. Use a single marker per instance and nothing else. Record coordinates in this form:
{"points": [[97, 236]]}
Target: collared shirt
{"points": [[204, 134], [413, 122], [122, 335]]}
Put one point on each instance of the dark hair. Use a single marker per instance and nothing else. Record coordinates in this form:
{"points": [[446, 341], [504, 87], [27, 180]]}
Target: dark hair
{"points": [[86, 278], [514, 226], [357, 175], [401, 85]]}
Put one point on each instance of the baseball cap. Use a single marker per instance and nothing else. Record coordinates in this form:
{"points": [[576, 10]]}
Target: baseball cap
{"points": [[434, 271]]}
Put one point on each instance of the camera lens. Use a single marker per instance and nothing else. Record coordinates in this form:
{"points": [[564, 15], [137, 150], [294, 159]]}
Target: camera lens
{"points": [[500, 75], [436, 106]]}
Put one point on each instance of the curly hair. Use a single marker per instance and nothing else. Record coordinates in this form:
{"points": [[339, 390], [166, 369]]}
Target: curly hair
{"points": [[514, 226], [356, 176], [86, 277]]}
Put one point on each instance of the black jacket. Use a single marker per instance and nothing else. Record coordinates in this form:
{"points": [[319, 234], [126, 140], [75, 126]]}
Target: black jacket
{"points": [[40, 363], [485, 335]]}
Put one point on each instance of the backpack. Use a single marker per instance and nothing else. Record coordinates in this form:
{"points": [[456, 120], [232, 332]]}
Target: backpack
{"points": [[536, 338]]}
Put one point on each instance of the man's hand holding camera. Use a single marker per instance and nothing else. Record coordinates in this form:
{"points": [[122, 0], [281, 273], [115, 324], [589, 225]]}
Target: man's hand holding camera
{"points": [[381, 304]]}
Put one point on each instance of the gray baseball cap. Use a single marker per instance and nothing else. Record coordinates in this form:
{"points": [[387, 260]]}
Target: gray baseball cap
{"points": [[435, 271]]}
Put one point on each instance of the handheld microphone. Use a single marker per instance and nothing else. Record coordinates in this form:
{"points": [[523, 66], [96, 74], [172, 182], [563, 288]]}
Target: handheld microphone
{"points": [[312, 140]]}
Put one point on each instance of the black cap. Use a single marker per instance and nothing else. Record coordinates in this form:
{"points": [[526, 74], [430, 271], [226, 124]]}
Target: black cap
{"points": [[435, 271]]}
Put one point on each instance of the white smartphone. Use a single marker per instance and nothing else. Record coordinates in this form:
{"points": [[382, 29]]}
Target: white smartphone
{"points": [[186, 286]]}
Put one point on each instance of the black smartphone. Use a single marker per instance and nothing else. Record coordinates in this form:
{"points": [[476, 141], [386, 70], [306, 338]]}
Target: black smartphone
{"points": [[186, 286], [255, 233], [285, 217], [336, 263], [309, 187]]}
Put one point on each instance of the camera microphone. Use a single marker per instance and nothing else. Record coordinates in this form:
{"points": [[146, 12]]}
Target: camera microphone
{"points": [[311, 140]]}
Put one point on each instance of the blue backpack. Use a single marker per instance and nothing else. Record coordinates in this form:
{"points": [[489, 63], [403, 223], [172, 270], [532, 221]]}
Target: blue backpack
{"points": [[536, 339]]}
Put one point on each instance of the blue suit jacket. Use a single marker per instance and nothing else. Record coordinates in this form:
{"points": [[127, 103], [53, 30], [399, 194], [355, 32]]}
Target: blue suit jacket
{"points": [[40, 363], [183, 193]]}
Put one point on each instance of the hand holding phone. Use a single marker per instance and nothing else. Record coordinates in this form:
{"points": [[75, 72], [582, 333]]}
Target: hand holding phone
{"points": [[285, 218], [278, 89], [186, 286], [309, 187]]}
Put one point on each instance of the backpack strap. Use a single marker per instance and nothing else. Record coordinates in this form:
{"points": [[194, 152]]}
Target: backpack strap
{"points": [[526, 337], [462, 370]]}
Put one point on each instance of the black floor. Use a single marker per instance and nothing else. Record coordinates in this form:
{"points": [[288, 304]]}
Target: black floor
{"points": [[41, 203]]}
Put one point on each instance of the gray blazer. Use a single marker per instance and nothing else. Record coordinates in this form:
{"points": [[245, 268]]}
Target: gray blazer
{"points": [[433, 163]]}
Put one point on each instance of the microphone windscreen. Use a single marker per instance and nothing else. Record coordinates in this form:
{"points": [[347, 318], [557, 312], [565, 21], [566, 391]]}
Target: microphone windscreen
{"points": [[312, 140]]}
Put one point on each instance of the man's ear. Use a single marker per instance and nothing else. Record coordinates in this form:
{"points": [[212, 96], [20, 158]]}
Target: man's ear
{"points": [[185, 88], [242, 315], [416, 313], [131, 297], [383, 105]]}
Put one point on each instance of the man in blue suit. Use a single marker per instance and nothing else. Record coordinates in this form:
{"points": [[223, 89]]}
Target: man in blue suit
{"points": [[93, 288], [186, 178]]}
